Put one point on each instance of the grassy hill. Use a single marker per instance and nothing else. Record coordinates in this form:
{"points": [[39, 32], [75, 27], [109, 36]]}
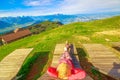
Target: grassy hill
{"points": [[99, 31], [43, 26]]}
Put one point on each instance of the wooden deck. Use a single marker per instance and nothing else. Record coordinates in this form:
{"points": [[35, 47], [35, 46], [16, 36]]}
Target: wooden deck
{"points": [[103, 59], [12, 63], [59, 49], [116, 45]]}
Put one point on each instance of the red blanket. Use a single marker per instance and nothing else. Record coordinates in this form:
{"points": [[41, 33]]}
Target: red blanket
{"points": [[76, 73]]}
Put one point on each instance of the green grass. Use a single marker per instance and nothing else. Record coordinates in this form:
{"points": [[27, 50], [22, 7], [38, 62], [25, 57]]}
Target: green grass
{"points": [[43, 26], [77, 33], [96, 73], [35, 66]]}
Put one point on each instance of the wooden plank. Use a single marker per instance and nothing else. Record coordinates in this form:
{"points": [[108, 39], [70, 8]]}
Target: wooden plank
{"points": [[103, 59], [12, 63], [59, 49], [115, 44]]}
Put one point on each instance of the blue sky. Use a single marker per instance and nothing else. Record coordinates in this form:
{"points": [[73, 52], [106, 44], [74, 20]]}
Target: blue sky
{"points": [[46, 7]]}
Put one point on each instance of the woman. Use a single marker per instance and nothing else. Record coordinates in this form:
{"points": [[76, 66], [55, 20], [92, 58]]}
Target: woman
{"points": [[66, 69], [67, 46]]}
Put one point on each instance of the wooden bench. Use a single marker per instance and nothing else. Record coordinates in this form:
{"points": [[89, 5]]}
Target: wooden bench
{"points": [[59, 49], [116, 45], [103, 59], [12, 63]]}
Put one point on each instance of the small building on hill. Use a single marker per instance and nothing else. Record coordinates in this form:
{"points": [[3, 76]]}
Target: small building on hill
{"points": [[17, 34]]}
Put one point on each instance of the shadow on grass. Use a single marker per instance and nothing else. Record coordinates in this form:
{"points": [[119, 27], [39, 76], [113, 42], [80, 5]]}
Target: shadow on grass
{"points": [[33, 67], [117, 48]]}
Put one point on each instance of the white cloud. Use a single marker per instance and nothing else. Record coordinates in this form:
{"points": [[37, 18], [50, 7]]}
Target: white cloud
{"points": [[84, 6], [37, 2], [33, 3], [44, 7], [28, 12]]}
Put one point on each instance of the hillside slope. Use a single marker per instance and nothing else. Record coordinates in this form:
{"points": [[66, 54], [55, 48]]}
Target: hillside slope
{"points": [[43, 26], [99, 31], [75, 32]]}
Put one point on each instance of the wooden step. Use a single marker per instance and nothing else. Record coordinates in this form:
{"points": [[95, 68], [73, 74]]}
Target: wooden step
{"points": [[12, 63]]}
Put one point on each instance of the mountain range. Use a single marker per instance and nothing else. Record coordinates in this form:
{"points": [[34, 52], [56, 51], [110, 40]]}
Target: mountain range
{"points": [[10, 23], [4, 24]]}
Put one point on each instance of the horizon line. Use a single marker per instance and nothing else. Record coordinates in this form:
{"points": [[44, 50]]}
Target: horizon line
{"points": [[117, 12]]}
